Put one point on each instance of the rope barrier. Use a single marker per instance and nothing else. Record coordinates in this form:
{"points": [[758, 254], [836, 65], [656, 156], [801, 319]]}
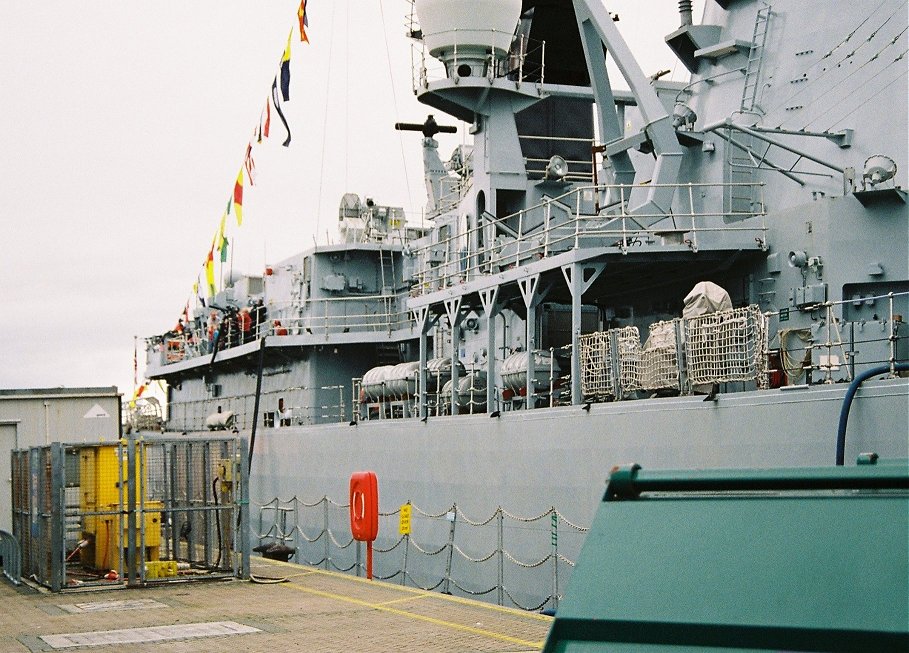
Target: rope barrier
{"points": [[284, 528], [309, 539], [422, 513], [470, 522], [527, 565], [535, 608], [427, 588], [527, 519], [428, 553], [467, 557], [389, 549], [582, 529], [310, 505], [342, 570], [389, 577], [430, 515], [338, 544], [471, 592]]}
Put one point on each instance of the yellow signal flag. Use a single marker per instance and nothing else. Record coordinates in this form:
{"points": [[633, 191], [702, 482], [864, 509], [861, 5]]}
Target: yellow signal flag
{"points": [[286, 55], [210, 272], [238, 198]]}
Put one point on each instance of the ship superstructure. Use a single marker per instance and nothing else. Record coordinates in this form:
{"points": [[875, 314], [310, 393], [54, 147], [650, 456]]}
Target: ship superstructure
{"points": [[552, 288]]}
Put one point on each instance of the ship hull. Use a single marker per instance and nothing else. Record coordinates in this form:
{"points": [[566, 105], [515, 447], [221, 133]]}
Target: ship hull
{"points": [[508, 475], [527, 461]]}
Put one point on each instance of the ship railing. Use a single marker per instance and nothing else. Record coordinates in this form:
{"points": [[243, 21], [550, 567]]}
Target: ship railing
{"points": [[175, 347], [585, 217], [292, 405], [372, 313], [505, 558], [192, 342], [833, 352], [550, 386], [453, 190], [524, 63], [579, 170]]}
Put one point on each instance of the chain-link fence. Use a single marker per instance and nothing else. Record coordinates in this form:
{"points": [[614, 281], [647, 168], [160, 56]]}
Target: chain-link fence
{"points": [[134, 511], [198, 488], [36, 513]]}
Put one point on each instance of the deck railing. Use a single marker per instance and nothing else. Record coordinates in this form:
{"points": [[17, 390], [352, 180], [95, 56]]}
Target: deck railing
{"points": [[381, 313], [525, 63], [587, 216]]}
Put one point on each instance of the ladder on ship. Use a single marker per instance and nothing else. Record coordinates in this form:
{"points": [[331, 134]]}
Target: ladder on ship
{"points": [[741, 160], [755, 59], [387, 285]]}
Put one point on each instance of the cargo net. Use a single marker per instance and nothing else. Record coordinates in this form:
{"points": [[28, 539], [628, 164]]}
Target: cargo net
{"points": [[659, 358], [594, 365], [597, 376], [727, 346]]}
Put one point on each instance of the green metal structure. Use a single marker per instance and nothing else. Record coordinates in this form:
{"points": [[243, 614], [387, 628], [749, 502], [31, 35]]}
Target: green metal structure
{"points": [[810, 559]]}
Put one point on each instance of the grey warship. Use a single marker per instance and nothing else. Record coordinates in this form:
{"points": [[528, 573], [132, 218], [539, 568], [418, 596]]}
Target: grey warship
{"points": [[711, 273]]}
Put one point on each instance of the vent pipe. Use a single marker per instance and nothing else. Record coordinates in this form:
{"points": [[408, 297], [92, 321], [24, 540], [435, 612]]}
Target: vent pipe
{"points": [[685, 12]]}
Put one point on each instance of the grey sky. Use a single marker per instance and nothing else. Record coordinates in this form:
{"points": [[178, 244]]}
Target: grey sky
{"points": [[124, 125]]}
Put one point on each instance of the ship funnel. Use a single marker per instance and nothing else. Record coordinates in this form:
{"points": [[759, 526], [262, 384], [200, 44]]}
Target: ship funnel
{"points": [[685, 12], [466, 35]]}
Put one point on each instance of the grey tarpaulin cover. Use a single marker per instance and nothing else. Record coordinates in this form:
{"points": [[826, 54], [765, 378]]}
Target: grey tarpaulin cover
{"points": [[706, 297]]}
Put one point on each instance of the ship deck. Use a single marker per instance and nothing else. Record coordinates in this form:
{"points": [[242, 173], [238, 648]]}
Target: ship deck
{"points": [[313, 610]]}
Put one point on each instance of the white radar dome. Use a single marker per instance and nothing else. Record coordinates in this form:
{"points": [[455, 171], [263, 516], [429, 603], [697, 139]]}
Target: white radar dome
{"points": [[463, 32]]}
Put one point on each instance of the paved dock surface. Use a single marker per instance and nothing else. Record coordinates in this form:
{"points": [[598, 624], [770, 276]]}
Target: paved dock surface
{"points": [[314, 610]]}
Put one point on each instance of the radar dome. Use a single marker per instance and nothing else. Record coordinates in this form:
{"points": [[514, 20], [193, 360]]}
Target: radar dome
{"points": [[465, 32]]}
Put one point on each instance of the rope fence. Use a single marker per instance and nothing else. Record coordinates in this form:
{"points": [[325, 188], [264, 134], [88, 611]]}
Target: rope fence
{"points": [[448, 538]]}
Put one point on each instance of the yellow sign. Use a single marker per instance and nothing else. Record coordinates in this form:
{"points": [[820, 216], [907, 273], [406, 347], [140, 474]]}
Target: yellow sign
{"points": [[404, 522]]}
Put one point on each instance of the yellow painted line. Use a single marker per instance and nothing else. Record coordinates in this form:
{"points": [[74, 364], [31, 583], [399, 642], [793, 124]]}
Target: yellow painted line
{"points": [[403, 613], [415, 590], [406, 598]]}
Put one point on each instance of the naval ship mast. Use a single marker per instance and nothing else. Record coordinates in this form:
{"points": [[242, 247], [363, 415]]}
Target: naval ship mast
{"points": [[678, 193]]}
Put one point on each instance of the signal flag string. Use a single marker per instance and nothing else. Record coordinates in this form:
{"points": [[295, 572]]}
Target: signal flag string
{"points": [[247, 170]]}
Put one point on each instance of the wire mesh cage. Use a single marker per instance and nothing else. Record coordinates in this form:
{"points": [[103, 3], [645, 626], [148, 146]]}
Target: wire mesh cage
{"points": [[610, 362], [659, 357], [727, 346], [133, 511], [191, 507]]}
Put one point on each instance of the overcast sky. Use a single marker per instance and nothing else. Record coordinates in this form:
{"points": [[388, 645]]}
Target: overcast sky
{"points": [[124, 125]]}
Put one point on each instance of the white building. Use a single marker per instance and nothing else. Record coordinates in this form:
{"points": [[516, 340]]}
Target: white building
{"points": [[39, 416]]}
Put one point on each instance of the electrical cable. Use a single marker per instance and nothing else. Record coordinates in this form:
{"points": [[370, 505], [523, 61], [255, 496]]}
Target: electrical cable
{"points": [[394, 99], [106, 543], [825, 71], [865, 101], [847, 404], [214, 490], [252, 437], [267, 580], [331, 43], [854, 72], [825, 57]]}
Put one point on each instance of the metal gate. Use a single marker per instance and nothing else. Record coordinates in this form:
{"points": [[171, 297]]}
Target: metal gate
{"points": [[136, 511]]}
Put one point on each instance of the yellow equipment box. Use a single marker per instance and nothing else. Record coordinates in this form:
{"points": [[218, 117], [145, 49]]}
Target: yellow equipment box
{"points": [[103, 504]]}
